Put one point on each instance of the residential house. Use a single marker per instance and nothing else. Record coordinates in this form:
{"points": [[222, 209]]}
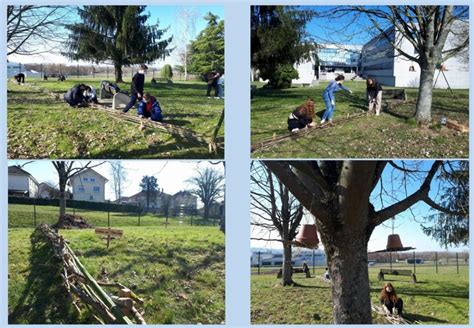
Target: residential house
{"points": [[45, 190], [88, 185], [21, 183]]}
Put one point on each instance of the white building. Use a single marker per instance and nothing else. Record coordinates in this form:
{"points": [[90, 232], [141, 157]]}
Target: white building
{"points": [[88, 185], [269, 257], [380, 60], [21, 183], [15, 68]]}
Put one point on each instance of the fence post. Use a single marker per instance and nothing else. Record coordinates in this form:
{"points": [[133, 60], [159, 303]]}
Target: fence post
{"points": [[138, 207], [93, 72], [414, 262], [108, 214], [258, 262], [77, 70], [313, 261], [34, 211], [457, 263], [436, 261]]}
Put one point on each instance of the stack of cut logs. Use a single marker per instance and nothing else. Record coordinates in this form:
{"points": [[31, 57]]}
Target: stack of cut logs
{"points": [[84, 290]]}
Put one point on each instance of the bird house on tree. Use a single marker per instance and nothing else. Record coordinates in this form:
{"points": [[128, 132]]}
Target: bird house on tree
{"points": [[307, 236]]}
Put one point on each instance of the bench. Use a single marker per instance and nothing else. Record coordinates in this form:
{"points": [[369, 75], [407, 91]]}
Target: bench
{"points": [[396, 272], [295, 270], [108, 234]]}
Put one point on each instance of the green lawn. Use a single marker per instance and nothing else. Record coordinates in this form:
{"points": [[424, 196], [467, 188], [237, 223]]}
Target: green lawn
{"points": [[393, 134], [22, 216], [436, 299], [41, 127], [178, 271]]}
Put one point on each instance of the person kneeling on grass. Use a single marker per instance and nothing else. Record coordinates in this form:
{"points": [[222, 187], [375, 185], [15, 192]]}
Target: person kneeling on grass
{"points": [[302, 116], [90, 95], [391, 303], [149, 108], [75, 96], [329, 97]]}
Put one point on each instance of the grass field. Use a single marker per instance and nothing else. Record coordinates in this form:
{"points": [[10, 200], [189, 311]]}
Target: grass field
{"points": [[22, 216], [41, 127], [441, 298], [178, 271], [393, 134]]}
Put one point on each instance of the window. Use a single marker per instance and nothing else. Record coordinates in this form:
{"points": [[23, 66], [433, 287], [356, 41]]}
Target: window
{"points": [[81, 189], [96, 189], [92, 179], [91, 198], [85, 179]]}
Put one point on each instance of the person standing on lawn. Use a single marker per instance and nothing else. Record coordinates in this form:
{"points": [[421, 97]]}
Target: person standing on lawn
{"points": [[329, 97], [374, 96], [212, 79], [138, 83]]}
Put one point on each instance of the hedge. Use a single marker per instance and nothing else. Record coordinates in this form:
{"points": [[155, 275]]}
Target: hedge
{"points": [[78, 204]]}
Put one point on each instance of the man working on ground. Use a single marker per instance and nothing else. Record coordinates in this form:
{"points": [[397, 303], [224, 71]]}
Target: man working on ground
{"points": [[75, 96], [138, 83]]}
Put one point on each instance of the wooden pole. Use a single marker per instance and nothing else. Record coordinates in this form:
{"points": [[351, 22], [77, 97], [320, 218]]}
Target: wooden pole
{"points": [[139, 210], [414, 262], [436, 261], [108, 215]]}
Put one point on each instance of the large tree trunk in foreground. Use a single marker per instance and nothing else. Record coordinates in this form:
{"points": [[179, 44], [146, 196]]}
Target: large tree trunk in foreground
{"points": [[346, 254], [425, 94]]}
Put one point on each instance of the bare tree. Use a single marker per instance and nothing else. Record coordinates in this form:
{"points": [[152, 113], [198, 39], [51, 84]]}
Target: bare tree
{"points": [[119, 175], [35, 29], [338, 194], [208, 186], [274, 208], [186, 31], [66, 170], [426, 28]]}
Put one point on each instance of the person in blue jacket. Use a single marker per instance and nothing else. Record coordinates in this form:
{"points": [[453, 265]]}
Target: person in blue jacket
{"points": [[329, 97], [75, 96], [150, 108]]}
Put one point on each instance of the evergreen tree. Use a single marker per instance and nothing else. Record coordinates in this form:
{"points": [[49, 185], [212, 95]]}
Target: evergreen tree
{"points": [[118, 34], [149, 185], [278, 41], [166, 72], [452, 229], [207, 51]]}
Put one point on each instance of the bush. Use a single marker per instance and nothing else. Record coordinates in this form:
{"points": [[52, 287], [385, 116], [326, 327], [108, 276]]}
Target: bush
{"points": [[281, 77], [166, 72]]}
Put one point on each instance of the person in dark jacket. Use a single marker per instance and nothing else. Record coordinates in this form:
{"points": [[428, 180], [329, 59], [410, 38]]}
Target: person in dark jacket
{"points": [[138, 83], [150, 108], [390, 301], [75, 96], [20, 78], [302, 116], [374, 95], [212, 79]]}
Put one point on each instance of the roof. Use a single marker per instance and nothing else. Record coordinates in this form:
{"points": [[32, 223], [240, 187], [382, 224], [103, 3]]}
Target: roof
{"points": [[15, 169], [184, 193], [89, 169]]}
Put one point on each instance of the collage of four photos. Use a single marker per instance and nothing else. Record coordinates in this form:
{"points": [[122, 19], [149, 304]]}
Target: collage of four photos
{"points": [[358, 161]]}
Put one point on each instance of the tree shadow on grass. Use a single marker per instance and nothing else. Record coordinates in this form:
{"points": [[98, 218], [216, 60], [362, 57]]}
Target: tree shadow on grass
{"points": [[422, 318], [44, 299]]}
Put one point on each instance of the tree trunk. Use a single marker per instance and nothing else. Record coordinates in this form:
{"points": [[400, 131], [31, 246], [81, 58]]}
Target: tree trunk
{"points": [[206, 211], [118, 72], [425, 94], [346, 254], [62, 198], [287, 279]]}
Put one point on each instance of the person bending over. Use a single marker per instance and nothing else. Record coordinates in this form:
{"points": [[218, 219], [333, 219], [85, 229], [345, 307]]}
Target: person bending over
{"points": [[302, 116], [75, 96], [374, 95], [391, 303], [330, 99], [20, 78], [138, 83]]}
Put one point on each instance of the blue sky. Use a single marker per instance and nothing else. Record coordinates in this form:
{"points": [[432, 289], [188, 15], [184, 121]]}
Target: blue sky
{"points": [[407, 224], [165, 14]]}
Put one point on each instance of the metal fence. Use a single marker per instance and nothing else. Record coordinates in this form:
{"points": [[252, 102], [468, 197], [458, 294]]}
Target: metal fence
{"points": [[29, 215]]}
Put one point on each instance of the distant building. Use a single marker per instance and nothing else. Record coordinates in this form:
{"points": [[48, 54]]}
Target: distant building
{"points": [[88, 185], [45, 190], [274, 257], [181, 201], [380, 60], [21, 183]]}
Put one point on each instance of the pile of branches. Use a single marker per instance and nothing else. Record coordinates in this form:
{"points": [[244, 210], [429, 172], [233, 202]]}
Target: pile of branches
{"points": [[68, 221], [389, 318], [85, 291]]}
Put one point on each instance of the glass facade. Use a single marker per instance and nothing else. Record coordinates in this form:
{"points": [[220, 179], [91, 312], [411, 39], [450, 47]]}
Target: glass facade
{"points": [[338, 57]]}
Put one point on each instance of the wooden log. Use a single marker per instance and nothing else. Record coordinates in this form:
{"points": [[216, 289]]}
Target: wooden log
{"points": [[452, 124]]}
